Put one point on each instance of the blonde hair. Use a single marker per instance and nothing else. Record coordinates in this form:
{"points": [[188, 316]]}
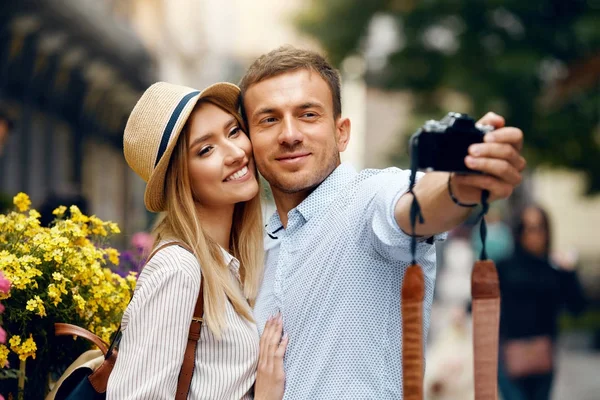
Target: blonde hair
{"points": [[246, 240]]}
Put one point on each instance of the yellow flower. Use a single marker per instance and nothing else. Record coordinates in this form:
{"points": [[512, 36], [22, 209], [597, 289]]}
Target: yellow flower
{"points": [[67, 256], [113, 255], [80, 302], [54, 294], [3, 355], [21, 200], [59, 211], [25, 349], [77, 216], [114, 227], [34, 214], [14, 341], [36, 304]]}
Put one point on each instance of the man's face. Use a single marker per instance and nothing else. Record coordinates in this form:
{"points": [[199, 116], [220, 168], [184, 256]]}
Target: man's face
{"points": [[295, 137]]}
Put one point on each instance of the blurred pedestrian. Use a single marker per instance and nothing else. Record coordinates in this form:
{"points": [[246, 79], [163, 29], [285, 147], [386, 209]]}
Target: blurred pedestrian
{"points": [[535, 286]]}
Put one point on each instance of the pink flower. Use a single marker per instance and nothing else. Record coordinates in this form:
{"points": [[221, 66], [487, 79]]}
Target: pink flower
{"points": [[142, 242], [2, 336], [4, 283]]}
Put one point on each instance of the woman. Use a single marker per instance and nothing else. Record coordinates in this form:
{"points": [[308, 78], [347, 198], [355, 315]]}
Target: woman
{"points": [[191, 149], [534, 288]]}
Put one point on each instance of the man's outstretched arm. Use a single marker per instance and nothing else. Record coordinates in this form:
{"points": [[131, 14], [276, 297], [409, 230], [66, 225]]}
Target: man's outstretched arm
{"points": [[498, 157]]}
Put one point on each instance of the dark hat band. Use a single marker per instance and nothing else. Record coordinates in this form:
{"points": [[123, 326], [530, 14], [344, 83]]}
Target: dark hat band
{"points": [[171, 124]]}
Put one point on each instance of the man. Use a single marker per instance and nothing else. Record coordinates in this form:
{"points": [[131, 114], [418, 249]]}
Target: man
{"points": [[337, 247]]}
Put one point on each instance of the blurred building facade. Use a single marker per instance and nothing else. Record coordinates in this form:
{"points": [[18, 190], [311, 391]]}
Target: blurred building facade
{"points": [[70, 73]]}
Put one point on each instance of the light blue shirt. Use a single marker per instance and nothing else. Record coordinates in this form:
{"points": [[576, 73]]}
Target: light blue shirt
{"points": [[336, 275]]}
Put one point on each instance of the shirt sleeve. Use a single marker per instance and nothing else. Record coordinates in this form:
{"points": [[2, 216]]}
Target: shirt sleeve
{"points": [[153, 344], [388, 239]]}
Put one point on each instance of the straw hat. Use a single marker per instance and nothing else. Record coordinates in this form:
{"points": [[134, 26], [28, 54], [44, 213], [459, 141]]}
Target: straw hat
{"points": [[154, 126]]}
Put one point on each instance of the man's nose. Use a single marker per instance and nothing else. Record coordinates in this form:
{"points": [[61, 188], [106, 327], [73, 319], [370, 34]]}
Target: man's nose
{"points": [[290, 134]]}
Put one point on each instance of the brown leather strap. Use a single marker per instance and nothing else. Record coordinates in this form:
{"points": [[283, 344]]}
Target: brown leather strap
{"points": [[159, 248], [413, 289], [99, 378], [485, 290], [62, 329], [189, 358]]}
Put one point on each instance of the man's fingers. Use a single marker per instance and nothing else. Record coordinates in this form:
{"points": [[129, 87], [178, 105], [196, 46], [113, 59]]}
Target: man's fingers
{"points": [[500, 151], [500, 169], [493, 119], [498, 189], [509, 135]]}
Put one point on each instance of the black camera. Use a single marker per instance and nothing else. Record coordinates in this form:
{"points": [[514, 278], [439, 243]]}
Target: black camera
{"points": [[443, 145]]}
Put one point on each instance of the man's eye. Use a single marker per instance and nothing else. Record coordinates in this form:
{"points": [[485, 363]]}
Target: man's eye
{"points": [[268, 120], [309, 114]]}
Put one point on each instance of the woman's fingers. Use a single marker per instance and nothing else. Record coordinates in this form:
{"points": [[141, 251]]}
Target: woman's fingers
{"points": [[280, 352], [264, 341], [275, 337], [270, 340]]}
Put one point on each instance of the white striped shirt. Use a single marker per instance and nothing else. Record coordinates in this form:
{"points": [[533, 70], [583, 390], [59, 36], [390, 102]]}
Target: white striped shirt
{"points": [[155, 329]]}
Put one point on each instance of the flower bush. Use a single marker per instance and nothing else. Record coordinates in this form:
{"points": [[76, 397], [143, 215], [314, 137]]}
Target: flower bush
{"points": [[57, 274]]}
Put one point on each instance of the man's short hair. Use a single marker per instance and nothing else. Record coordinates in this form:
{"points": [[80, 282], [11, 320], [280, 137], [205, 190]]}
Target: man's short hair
{"points": [[286, 59]]}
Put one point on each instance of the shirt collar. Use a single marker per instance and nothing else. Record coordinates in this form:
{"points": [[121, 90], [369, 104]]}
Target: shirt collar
{"points": [[232, 262], [274, 225]]}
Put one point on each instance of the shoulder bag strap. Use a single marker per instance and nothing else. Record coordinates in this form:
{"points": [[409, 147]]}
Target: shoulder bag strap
{"points": [[189, 358], [62, 329]]}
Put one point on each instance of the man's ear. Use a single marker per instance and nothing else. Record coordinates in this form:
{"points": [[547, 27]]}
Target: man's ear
{"points": [[342, 129]]}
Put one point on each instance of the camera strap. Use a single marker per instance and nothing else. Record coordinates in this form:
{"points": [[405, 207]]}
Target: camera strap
{"points": [[485, 293], [413, 291]]}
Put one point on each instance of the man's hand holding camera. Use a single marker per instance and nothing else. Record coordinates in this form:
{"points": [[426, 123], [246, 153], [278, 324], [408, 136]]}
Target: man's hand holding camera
{"points": [[498, 158], [493, 162]]}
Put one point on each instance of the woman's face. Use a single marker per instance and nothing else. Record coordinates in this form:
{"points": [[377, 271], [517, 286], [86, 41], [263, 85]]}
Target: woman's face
{"points": [[534, 236], [220, 162]]}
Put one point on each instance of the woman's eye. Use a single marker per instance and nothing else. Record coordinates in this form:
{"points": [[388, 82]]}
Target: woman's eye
{"points": [[205, 150], [235, 132]]}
